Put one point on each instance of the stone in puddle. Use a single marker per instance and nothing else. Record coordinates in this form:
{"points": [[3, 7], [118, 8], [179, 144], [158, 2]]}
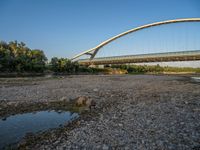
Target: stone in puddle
{"points": [[59, 111], [4, 118]]}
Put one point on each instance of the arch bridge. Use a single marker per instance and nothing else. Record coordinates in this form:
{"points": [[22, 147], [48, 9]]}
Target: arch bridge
{"points": [[172, 56]]}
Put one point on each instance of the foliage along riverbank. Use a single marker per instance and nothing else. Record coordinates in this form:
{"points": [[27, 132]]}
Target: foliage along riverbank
{"points": [[137, 69], [16, 59]]}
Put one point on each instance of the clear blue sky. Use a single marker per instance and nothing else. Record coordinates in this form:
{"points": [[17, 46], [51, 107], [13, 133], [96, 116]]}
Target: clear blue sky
{"points": [[64, 28]]}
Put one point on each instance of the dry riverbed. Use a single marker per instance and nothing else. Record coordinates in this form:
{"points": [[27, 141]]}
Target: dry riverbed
{"points": [[132, 112]]}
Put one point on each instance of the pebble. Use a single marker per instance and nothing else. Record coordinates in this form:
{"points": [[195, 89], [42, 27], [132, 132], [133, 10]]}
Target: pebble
{"points": [[95, 90], [105, 147], [64, 98], [121, 125]]}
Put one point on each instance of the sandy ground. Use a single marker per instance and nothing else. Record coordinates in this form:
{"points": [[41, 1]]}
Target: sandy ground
{"points": [[145, 111]]}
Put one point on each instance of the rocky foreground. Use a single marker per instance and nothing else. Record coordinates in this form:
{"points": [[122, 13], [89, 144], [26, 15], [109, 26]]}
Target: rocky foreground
{"points": [[132, 112]]}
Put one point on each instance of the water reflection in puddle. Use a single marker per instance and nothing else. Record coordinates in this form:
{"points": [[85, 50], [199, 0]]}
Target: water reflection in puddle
{"points": [[196, 79], [15, 127]]}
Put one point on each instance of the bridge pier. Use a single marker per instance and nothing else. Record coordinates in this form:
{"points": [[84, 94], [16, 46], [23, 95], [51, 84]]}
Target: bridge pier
{"points": [[96, 66], [101, 66]]}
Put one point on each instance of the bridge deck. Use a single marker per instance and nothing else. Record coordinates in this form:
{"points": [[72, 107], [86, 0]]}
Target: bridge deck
{"points": [[154, 57]]}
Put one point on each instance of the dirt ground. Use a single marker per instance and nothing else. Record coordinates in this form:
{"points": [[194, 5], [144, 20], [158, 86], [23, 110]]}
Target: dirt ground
{"points": [[141, 111]]}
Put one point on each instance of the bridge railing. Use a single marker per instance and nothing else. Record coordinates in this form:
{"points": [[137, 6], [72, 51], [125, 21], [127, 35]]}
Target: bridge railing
{"points": [[144, 56]]}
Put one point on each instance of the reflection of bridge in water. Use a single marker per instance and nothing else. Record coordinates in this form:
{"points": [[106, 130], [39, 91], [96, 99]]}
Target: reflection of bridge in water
{"points": [[153, 57]]}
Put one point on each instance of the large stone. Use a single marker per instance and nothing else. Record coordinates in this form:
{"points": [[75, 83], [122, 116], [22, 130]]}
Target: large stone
{"points": [[85, 101], [81, 101], [90, 103]]}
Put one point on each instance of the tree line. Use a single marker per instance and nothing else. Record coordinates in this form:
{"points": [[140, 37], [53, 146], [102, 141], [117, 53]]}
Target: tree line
{"points": [[63, 65], [17, 57], [134, 69]]}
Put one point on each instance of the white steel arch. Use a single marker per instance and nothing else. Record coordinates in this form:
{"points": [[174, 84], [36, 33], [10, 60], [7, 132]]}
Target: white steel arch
{"points": [[93, 51]]}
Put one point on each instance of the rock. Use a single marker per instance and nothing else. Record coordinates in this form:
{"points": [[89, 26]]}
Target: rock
{"points": [[143, 142], [196, 109], [64, 98], [3, 103], [78, 123], [88, 102], [29, 134], [101, 117], [95, 90], [121, 125], [81, 101], [4, 119], [59, 111], [105, 147], [98, 147], [85, 101], [126, 148], [91, 104]]}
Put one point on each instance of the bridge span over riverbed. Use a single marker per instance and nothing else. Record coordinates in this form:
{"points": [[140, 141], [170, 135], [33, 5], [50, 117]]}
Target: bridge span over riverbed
{"points": [[187, 55], [154, 57]]}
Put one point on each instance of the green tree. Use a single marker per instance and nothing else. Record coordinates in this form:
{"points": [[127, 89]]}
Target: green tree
{"points": [[16, 57], [38, 60], [64, 65]]}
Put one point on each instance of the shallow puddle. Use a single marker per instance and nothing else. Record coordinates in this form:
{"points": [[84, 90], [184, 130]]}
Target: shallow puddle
{"points": [[14, 128], [196, 79]]}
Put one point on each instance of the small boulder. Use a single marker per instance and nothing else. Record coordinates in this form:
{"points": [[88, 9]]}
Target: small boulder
{"points": [[91, 104], [88, 102], [85, 101], [81, 101], [64, 98]]}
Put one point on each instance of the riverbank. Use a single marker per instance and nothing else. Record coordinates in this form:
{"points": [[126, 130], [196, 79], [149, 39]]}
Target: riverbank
{"points": [[132, 112]]}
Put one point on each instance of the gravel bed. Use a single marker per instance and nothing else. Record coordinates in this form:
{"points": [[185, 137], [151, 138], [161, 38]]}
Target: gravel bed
{"points": [[141, 111]]}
